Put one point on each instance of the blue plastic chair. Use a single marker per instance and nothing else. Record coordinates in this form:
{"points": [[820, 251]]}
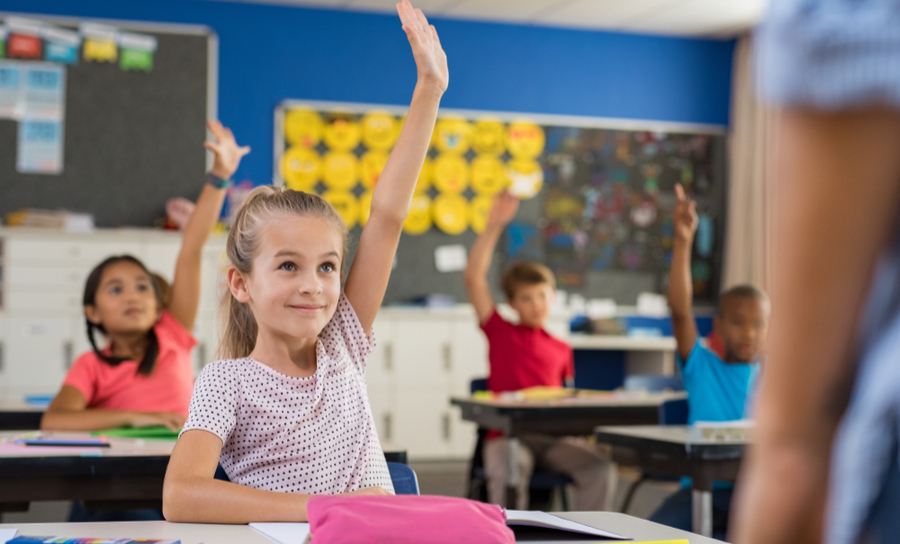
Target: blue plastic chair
{"points": [[404, 479]]}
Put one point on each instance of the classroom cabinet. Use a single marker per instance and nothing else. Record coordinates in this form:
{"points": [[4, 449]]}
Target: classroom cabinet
{"points": [[38, 352]]}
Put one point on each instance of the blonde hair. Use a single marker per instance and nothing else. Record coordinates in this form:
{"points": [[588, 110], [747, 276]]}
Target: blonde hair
{"points": [[237, 323]]}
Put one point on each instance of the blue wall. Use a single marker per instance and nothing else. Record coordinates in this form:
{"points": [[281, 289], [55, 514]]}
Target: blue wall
{"points": [[269, 53]]}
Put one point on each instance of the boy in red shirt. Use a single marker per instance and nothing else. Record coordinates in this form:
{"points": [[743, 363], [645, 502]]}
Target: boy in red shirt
{"points": [[524, 355]]}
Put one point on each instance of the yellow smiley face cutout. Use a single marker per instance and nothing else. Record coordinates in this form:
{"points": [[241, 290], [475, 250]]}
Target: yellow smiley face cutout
{"points": [[346, 205], [365, 207], [526, 178], [300, 168], [340, 170], [524, 140], [450, 174], [370, 165], [451, 213], [342, 134], [451, 135], [379, 130], [423, 182], [479, 210], [488, 175], [303, 127], [418, 221], [488, 137]]}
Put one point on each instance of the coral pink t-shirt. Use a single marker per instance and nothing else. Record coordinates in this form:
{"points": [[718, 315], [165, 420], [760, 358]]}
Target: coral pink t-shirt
{"points": [[167, 389]]}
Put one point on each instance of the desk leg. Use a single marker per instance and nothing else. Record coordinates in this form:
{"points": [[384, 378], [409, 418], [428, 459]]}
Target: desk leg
{"points": [[702, 519], [512, 474]]}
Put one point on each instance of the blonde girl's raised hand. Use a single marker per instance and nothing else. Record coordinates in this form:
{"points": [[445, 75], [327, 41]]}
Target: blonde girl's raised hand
{"points": [[431, 61], [227, 153]]}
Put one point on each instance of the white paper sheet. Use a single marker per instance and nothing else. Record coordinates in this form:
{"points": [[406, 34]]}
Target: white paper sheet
{"points": [[549, 521], [451, 258], [7, 534], [284, 533], [40, 147]]}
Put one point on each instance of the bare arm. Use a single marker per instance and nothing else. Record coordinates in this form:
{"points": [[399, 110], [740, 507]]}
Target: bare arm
{"points": [[475, 274], [69, 412], [186, 285], [368, 277], [681, 289], [830, 235]]}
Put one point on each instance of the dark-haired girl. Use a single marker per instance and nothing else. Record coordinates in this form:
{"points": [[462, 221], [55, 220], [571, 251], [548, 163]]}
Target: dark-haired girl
{"points": [[142, 377]]}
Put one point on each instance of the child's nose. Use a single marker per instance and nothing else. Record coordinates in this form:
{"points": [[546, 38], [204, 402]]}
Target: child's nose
{"points": [[309, 283]]}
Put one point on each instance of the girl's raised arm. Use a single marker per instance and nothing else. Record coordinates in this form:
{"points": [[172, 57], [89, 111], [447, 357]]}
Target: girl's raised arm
{"points": [[368, 277], [186, 286]]}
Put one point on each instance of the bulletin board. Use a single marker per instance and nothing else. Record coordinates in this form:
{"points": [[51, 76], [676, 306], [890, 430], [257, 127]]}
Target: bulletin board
{"points": [[128, 132], [597, 194]]}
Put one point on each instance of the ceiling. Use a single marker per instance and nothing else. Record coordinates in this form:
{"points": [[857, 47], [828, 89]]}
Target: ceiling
{"points": [[718, 18]]}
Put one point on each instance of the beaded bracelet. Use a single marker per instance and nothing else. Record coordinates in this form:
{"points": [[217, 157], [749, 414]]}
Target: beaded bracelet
{"points": [[216, 181]]}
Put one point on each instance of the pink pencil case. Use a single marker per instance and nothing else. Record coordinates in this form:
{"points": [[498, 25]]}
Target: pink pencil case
{"points": [[405, 519]]}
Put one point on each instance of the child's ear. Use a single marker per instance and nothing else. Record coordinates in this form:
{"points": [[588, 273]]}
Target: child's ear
{"points": [[91, 313], [238, 285]]}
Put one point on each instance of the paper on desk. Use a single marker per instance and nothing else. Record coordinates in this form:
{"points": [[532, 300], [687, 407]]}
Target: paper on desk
{"points": [[10, 449], [284, 533], [7, 534], [549, 521]]}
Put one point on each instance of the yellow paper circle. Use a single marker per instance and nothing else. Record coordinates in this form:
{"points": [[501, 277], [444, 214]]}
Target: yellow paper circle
{"points": [[450, 174], [423, 182], [479, 210], [524, 140], [525, 178], [300, 168], [488, 137], [303, 127], [451, 135], [370, 165], [451, 213], [342, 134], [346, 205], [379, 130], [488, 175], [418, 220], [365, 207], [339, 170]]}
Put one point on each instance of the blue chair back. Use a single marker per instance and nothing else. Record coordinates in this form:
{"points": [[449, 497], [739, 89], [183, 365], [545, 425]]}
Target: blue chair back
{"points": [[673, 412], [653, 383], [478, 384], [404, 479]]}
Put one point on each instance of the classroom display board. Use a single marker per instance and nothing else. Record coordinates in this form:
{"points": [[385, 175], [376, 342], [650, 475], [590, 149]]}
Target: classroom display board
{"points": [[597, 195], [101, 118]]}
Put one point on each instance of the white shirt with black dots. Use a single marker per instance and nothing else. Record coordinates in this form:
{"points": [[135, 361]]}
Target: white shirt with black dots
{"points": [[313, 435]]}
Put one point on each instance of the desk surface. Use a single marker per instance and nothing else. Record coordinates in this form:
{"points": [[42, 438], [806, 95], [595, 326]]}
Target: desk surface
{"points": [[622, 342], [680, 441], [613, 399], [190, 533]]}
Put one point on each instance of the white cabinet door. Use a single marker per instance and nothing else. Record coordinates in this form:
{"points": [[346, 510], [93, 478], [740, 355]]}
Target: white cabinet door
{"points": [[4, 359], [380, 366], [424, 422], [160, 256], [469, 355], [206, 333], [38, 352], [422, 352], [381, 399], [464, 435]]}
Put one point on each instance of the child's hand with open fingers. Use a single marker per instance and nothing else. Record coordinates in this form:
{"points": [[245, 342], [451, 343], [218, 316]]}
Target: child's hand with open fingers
{"points": [[431, 61], [228, 153], [684, 217], [504, 209]]}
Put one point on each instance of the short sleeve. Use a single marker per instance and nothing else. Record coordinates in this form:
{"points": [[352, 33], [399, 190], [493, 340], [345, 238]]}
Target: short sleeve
{"points": [[570, 366], [214, 401], [169, 330], [696, 359], [346, 328], [83, 376], [494, 324]]}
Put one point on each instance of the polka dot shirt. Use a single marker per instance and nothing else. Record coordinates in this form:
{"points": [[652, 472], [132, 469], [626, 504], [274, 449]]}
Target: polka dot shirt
{"points": [[313, 435]]}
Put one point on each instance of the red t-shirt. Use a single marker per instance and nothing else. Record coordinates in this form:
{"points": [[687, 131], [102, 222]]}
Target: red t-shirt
{"points": [[167, 389]]}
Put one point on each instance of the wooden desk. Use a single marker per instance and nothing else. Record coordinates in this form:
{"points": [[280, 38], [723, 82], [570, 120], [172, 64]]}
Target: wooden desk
{"points": [[129, 474], [193, 533], [564, 417], [16, 414], [679, 450]]}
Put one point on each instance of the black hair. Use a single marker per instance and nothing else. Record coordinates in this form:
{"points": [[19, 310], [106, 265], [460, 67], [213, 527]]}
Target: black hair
{"points": [[92, 285], [740, 291]]}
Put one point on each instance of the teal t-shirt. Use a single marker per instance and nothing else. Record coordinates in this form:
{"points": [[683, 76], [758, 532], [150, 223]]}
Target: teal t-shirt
{"points": [[717, 391]]}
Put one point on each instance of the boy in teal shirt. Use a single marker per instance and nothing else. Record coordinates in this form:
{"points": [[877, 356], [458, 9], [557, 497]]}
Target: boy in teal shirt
{"points": [[719, 389]]}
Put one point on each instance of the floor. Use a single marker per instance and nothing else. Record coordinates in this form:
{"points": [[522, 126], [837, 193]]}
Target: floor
{"points": [[435, 478]]}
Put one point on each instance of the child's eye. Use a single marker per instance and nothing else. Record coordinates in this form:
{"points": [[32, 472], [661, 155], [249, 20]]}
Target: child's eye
{"points": [[115, 290], [143, 288], [327, 267], [287, 266]]}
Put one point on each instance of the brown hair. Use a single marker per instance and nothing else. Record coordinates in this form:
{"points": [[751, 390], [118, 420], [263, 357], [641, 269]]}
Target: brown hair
{"points": [[525, 273], [238, 324]]}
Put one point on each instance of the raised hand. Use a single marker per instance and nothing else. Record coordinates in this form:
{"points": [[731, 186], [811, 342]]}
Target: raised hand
{"points": [[504, 209], [228, 153], [684, 216], [431, 61]]}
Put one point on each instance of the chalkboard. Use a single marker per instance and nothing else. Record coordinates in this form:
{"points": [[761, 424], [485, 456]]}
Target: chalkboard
{"points": [[601, 219], [132, 138]]}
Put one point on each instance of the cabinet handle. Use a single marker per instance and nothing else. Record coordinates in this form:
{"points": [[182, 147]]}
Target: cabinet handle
{"points": [[68, 351], [389, 357], [2, 362], [445, 426], [447, 353], [387, 427]]}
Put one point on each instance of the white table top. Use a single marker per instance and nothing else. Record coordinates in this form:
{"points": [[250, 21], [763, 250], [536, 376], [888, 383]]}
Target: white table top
{"points": [[621, 342], [18, 404], [191, 533], [604, 398], [119, 447]]}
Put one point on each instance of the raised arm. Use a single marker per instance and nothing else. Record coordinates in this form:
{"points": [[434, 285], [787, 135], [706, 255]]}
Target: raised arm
{"points": [[186, 286], [502, 212], [681, 290], [368, 277]]}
